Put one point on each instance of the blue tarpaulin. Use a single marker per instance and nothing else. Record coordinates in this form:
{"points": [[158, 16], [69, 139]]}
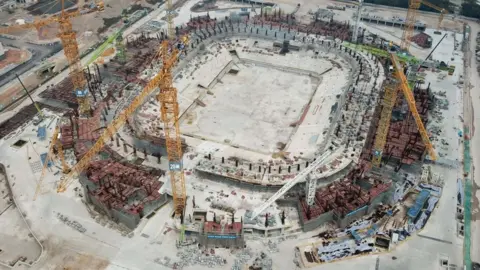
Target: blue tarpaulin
{"points": [[419, 202], [43, 157], [372, 230], [42, 132], [356, 236]]}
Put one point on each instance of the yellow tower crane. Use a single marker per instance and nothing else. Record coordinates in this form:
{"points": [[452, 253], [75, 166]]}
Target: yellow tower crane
{"points": [[389, 99], [170, 114], [55, 142], [437, 8], [120, 120], [413, 6], [48, 158], [70, 47], [400, 81], [407, 92]]}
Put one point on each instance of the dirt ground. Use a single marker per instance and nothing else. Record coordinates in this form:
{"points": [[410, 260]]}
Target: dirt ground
{"points": [[60, 258], [13, 57], [85, 26]]}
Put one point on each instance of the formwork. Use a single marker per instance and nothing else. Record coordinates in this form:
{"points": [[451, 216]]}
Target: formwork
{"points": [[342, 202], [226, 236], [124, 192]]}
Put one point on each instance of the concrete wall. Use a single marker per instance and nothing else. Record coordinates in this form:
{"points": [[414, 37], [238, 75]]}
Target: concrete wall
{"points": [[99, 206], [128, 219], [318, 221], [354, 215], [342, 222], [154, 205]]}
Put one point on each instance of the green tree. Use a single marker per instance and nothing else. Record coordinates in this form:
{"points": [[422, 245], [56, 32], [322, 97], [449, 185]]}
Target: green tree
{"points": [[471, 9], [404, 4]]}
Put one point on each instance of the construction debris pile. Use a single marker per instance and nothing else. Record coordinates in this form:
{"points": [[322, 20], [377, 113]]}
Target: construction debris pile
{"points": [[72, 223], [242, 257], [192, 255], [423, 40]]}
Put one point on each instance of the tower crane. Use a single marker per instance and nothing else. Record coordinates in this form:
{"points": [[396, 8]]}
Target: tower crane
{"points": [[390, 97], [170, 116], [437, 8], [70, 47], [413, 7], [407, 92], [48, 158], [357, 21], [400, 82], [120, 120]]}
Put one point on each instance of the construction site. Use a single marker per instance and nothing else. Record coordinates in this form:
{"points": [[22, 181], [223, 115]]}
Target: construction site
{"points": [[243, 135]]}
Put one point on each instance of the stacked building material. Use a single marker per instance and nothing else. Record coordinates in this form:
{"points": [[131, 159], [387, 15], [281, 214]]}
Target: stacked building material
{"points": [[423, 40], [67, 136], [88, 128], [63, 92]]}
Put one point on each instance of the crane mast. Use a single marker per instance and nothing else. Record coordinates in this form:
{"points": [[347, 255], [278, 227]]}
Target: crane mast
{"points": [[407, 92], [170, 114], [118, 122], [401, 82], [70, 47], [413, 7]]}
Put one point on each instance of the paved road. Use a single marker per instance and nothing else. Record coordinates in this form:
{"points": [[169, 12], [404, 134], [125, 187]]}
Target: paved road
{"points": [[63, 74], [39, 53]]}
